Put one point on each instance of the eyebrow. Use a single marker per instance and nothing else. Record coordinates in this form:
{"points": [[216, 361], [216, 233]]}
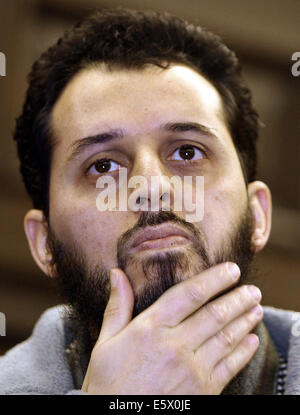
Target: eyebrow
{"points": [[176, 127]]}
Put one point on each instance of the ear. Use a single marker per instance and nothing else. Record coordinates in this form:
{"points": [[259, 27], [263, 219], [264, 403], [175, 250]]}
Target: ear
{"points": [[36, 230], [260, 202]]}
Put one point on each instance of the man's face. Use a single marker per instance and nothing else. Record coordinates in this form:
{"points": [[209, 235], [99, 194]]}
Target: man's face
{"points": [[140, 105]]}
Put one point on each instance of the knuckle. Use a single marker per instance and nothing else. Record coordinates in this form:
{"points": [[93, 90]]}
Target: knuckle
{"points": [[194, 293], [217, 313], [145, 330], [226, 338], [173, 354], [153, 319]]}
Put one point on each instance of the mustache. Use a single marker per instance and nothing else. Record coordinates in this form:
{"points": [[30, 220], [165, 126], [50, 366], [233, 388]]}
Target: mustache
{"points": [[85, 289], [148, 218]]}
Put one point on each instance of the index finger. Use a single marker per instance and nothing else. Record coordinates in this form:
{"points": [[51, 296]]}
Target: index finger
{"points": [[184, 298]]}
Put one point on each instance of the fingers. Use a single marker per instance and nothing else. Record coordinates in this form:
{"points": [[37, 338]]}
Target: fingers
{"points": [[215, 315], [227, 339], [183, 299], [118, 312], [232, 364]]}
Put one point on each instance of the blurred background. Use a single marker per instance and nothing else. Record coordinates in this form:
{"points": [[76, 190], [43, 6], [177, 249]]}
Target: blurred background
{"points": [[264, 34]]}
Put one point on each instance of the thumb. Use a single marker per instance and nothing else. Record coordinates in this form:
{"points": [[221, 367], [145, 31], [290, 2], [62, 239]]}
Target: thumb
{"points": [[118, 312]]}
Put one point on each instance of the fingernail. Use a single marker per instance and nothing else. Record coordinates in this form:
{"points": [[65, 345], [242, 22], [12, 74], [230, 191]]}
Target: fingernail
{"points": [[233, 269], [255, 292], [253, 339], [257, 310], [114, 278]]}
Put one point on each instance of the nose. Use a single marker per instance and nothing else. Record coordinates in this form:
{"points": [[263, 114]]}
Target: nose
{"points": [[152, 183]]}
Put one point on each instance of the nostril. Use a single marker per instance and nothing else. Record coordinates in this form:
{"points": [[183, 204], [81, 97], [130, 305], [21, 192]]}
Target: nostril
{"points": [[165, 197], [141, 200]]}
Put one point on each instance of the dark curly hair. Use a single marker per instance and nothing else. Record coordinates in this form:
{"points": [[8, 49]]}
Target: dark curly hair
{"points": [[123, 38]]}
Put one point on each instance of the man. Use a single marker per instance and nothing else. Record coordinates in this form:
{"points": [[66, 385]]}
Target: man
{"points": [[157, 303]]}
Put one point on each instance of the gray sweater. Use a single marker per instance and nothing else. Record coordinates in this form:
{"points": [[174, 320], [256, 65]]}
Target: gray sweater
{"points": [[39, 365]]}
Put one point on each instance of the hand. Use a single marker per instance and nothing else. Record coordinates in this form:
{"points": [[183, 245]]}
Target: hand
{"points": [[181, 344]]}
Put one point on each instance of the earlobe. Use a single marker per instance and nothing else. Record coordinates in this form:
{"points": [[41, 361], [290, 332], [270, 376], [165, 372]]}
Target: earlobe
{"points": [[260, 203], [36, 230]]}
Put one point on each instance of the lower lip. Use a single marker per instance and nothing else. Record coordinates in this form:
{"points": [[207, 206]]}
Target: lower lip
{"points": [[161, 243]]}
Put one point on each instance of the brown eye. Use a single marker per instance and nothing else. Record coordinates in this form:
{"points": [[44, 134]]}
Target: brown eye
{"points": [[188, 152], [103, 166]]}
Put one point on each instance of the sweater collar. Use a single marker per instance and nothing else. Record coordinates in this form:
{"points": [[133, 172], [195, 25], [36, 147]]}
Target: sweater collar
{"points": [[259, 377]]}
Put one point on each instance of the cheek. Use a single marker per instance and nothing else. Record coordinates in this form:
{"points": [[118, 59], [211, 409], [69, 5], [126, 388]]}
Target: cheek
{"points": [[223, 207], [96, 233]]}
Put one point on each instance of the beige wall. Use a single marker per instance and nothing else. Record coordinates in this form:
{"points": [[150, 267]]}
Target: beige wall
{"points": [[264, 33]]}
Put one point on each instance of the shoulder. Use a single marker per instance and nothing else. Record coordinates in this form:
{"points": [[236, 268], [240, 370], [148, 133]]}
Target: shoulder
{"points": [[38, 365], [284, 328], [280, 323]]}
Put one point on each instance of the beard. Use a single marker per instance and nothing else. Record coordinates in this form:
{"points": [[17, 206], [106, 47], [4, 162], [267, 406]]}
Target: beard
{"points": [[85, 290]]}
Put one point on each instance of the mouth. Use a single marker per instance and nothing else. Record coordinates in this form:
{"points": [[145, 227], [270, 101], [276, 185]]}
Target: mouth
{"points": [[163, 236]]}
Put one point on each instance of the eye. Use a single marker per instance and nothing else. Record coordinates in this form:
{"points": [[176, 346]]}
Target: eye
{"points": [[103, 166], [188, 152]]}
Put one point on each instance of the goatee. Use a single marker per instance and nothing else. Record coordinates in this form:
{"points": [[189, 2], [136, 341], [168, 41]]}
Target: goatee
{"points": [[85, 290]]}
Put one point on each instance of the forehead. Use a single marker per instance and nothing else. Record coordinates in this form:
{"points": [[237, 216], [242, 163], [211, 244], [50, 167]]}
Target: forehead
{"points": [[138, 101]]}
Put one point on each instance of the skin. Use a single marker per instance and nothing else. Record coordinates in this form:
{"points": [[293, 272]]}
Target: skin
{"points": [[139, 102]]}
